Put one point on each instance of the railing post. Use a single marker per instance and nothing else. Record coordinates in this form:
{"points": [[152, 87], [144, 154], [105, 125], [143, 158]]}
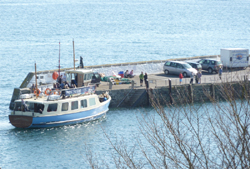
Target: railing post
{"points": [[132, 84], [170, 91], [110, 85]]}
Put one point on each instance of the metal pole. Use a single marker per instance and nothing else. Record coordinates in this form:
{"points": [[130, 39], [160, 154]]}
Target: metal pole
{"points": [[59, 59], [74, 54], [36, 81]]}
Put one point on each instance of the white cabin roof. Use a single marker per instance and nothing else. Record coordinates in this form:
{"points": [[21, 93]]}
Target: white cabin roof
{"points": [[79, 71]]}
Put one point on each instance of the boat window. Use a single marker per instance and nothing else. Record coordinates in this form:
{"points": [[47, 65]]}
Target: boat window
{"points": [[74, 105], [83, 103], [88, 76], [34, 107], [91, 101], [38, 107], [65, 106], [52, 107], [30, 106], [68, 78], [18, 106]]}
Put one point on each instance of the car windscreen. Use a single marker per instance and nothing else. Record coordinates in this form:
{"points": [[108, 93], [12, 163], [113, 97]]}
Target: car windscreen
{"points": [[187, 66], [198, 66], [218, 63]]}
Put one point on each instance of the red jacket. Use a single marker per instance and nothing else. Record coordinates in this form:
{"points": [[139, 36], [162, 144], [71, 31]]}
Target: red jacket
{"points": [[180, 76]]}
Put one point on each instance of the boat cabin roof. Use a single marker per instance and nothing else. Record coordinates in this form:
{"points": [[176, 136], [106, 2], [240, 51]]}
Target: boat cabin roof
{"points": [[80, 71], [44, 100]]}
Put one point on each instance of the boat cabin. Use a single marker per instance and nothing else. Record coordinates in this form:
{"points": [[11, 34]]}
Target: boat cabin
{"points": [[82, 77]]}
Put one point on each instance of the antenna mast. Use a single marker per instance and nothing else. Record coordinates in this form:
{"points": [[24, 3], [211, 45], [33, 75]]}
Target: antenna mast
{"points": [[74, 55], [59, 59]]}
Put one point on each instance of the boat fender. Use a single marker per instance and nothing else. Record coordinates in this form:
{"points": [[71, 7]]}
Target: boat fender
{"points": [[57, 92], [37, 92], [47, 91]]}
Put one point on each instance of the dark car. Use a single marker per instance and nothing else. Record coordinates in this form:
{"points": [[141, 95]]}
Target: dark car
{"points": [[211, 65], [195, 65]]}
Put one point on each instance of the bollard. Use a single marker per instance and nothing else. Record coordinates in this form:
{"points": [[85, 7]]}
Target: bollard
{"points": [[170, 90], [110, 85], [132, 84]]}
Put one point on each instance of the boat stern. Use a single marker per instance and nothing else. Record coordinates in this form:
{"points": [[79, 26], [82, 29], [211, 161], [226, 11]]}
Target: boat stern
{"points": [[21, 121]]}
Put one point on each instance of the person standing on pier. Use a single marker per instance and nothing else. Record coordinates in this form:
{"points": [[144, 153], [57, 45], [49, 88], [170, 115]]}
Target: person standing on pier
{"points": [[180, 76], [141, 78], [146, 80]]}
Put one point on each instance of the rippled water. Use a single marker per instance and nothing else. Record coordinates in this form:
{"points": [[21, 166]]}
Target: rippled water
{"points": [[104, 32]]}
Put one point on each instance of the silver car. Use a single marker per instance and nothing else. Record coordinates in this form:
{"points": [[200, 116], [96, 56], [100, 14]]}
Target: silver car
{"points": [[211, 65], [177, 67]]}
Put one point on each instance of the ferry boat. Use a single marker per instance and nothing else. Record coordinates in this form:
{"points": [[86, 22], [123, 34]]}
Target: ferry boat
{"points": [[54, 107]]}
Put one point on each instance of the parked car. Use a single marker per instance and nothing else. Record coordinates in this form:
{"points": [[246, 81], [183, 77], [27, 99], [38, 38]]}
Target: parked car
{"points": [[211, 65], [177, 67], [195, 65]]}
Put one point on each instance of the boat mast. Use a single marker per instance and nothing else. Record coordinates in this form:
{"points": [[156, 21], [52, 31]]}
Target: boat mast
{"points": [[59, 60], [36, 81], [74, 54]]}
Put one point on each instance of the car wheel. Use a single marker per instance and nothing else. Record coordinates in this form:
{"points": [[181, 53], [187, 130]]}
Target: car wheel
{"points": [[210, 70], [184, 74], [166, 72]]}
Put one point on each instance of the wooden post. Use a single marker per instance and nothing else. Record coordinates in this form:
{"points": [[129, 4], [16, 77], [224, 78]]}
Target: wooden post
{"points": [[132, 84], [212, 91], [191, 95], [110, 85], [170, 91]]}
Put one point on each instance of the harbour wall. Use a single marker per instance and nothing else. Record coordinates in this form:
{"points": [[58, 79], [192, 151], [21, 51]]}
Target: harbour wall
{"points": [[178, 94]]}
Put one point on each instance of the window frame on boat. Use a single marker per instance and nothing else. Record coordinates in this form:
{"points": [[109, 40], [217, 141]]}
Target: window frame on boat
{"points": [[92, 101], [64, 108], [31, 107], [84, 103], [52, 109], [74, 105]]}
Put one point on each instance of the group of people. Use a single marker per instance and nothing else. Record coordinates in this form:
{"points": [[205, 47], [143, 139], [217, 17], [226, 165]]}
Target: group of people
{"points": [[198, 76], [192, 76], [145, 78], [129, 75], [63, 85]]}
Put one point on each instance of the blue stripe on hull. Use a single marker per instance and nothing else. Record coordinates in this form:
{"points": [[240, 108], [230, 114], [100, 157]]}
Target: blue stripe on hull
{"points": [[68, 119]]}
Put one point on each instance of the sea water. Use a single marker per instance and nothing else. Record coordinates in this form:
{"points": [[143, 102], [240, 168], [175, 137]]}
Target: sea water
{"points": [[104, 32]]}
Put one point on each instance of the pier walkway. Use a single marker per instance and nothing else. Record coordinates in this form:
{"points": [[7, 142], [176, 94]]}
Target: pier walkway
{"points": [[160, 79]]}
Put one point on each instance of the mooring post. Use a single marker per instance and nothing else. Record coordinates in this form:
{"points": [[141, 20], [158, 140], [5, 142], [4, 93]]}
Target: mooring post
{"points": [[191, 95], [132, 84], [170, 91], [212, 91], [110, 85]]}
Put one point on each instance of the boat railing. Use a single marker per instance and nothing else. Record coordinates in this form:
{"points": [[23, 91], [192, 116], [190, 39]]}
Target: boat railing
{"points": [[57, 93]]}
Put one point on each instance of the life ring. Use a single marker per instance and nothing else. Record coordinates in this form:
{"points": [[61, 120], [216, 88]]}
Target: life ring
{"points": [[35, 92], [47, 91], [57, 92]]}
